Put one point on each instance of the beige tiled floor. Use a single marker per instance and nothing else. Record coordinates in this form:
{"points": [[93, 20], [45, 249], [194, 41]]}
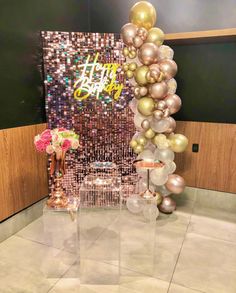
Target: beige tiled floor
{"points": [[195, 251]]}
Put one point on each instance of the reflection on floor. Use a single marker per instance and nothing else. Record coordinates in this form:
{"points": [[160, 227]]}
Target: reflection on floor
{"points": [[195, 252]]}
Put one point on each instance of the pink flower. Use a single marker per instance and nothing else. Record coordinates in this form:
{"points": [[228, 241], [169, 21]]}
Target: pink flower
{"points": [[49, 149], [46, 135], [41, 145], [66, 145]]}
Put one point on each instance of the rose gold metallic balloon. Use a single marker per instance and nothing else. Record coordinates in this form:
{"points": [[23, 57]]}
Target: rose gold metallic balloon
{"points": [[169, 68], [161, 105], [145, 124], [143, 91], [166, 113], [158, 114], [137, 41], [175, 183], [158, 90], [128, 32], [167, 205], [173, 102], [148, 53], [142, 33], [172, 125]]}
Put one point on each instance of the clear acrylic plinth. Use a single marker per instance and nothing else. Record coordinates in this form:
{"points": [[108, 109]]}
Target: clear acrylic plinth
{"points": [[137, 236], [60, 232], [99, 215]]}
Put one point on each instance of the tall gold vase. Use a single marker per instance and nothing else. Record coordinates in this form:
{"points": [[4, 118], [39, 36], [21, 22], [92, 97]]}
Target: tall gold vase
{"points": [[58, 199]]}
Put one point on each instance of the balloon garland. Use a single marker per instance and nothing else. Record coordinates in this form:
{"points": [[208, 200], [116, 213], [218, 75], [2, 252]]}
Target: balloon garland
{"points": [[151, 70]]}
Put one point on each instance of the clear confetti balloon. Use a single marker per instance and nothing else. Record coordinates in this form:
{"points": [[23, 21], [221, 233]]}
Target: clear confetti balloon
{"points": [[172, 86], [165, 52], [161, 125], [165, 155], [146, 155], [170, 167], [135, 204], [159, 176]]}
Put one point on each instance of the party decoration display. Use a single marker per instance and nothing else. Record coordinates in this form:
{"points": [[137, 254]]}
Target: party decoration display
{"points": [[154, 89], [56, 143]]}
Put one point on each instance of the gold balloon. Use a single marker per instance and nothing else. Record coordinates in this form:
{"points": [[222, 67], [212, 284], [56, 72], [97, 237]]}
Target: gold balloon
{"points": [[125, 67], [178, 143], [129, 74], [143, 14], [125, 51], [159, 198], [138, 149], [149, 133], [155, 36], [132, 54], [146, 106], [141, 140], [140, 75], [133, 143], [133, 66]]}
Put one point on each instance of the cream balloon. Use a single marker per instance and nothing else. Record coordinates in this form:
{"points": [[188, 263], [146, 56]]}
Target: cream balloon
{"points": [[164, 155], [146, 155]]}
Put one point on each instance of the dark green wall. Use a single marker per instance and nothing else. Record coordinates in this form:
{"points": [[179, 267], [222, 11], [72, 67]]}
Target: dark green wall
{"points": [[21, 93]]}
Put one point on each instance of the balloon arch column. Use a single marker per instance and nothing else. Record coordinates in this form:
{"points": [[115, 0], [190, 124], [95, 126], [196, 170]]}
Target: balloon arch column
{"points": [[151, 70]]}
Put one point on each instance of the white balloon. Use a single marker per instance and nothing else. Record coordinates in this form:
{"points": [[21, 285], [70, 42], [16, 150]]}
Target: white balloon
{"points": [[172, 86], [163, 190], [133, 105], [150, 146], [141, 186], [135, 204], [150, 212], [166, 52], [146, 155], [160, 126], [170, 167], [138, 119], [164, 155], [159, 176]]}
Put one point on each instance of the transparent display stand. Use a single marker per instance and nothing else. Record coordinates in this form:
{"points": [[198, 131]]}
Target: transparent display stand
{"points": [[99, 216], [61, 235]]}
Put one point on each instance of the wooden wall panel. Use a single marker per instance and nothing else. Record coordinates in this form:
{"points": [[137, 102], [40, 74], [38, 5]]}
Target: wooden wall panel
{"points": [[214, 166], [23, 171]]}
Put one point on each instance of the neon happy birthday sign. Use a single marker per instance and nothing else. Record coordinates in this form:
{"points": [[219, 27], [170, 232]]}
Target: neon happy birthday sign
{"points": [[97, 78]]}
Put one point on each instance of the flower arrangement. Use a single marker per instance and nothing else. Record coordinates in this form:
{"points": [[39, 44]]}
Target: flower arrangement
{"points": [[56, 140]]}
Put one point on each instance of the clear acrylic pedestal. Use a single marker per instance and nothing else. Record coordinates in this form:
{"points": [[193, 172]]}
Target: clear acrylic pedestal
{"points": [[61, 232], [99, 216]]}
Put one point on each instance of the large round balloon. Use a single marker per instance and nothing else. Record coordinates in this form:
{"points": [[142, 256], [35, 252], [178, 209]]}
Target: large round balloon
{"points": [[166, 52], [140, 75], [148, 53], [167, 206], [143, 14], [158, 90], [128, 32], [175, 183], [173, 103], [146, 106], [159, 176], [170, 167], [155, 36], [178, 143], [164, 155], [169, 68], [160, 126]]}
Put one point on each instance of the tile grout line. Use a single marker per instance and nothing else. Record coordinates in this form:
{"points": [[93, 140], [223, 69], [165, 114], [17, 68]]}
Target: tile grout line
{"points": [[177, 260]]}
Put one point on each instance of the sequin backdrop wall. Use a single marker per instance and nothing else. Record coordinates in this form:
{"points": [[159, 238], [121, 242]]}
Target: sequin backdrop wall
{"points": [[105, 124]]}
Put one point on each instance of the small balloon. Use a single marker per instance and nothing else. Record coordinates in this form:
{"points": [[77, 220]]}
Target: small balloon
{"points": [[142, 33], [137, 41], [133, 143], [148, 53], [141, 140], [128, 32], [155, 36], [140, 75], [143, 14], [159, 198], [167, 206], [135, 204], [169, 68], [158, 90], [161, 105], [138, 149], [175, 184], [166, 52], [146, 106], [129, 74], [173, 102], [178, 143], [145, 124], [158, 114], [164, 155]]}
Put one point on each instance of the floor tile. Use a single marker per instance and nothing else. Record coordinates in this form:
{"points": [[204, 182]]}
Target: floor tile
{"points": [[28, 267], [214, 223], [207, 265], [174, 288]]}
